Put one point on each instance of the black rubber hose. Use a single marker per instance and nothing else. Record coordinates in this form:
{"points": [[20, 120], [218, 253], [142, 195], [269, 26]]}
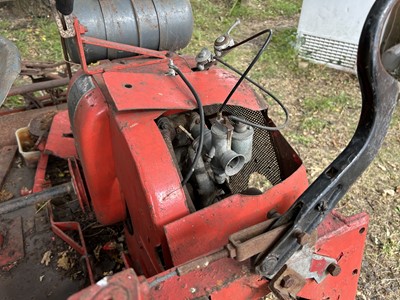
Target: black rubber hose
{"points": [[202, 124], [279, 127], [254, 61]]}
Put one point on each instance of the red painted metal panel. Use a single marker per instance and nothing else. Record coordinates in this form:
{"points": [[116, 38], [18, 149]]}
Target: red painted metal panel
{"points": [[92, 136], [343, 239], [208, 229], [154, 90], [60, 141], [150, 185], [229, 279]]}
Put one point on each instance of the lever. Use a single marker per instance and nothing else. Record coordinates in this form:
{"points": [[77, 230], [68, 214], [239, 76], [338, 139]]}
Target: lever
{"points": [[225, 41]]}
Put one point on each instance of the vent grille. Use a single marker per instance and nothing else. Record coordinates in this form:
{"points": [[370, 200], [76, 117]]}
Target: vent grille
{"points": [[264, 159], [337, 54]]}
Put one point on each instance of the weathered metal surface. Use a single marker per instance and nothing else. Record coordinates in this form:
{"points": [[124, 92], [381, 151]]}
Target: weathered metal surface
{"points": [[40, 181], [158, 197], [226, 217], [45, 70], [7, 154], [43, 196], [287, 283], [124, 286], [251, 241], [60, 141], [156, 24], [10, 66], [91, 130], [152, 89], [63, 230], [342, 238], [12, 248], [38, 86], [78, 183], [226, 278]]}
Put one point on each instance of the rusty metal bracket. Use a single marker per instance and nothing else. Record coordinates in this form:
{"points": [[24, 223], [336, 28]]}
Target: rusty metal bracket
{"points": [[242, 245], [287, 283]]}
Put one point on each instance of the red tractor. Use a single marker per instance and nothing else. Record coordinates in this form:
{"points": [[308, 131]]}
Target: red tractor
{"points": [[165, 145]]}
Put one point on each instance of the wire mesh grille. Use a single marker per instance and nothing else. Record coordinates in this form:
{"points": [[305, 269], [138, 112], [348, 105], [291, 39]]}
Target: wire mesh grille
{"points": [[264, 160], [328, 51]]}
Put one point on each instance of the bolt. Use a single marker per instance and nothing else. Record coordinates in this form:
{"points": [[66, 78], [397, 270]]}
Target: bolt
{"points": [[221, 39], [303, 238], [287, 281], [268, 265], [334, 269]]}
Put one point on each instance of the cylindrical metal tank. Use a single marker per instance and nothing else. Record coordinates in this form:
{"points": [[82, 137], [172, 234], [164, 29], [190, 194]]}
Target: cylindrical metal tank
{"points": [[152, 24]]}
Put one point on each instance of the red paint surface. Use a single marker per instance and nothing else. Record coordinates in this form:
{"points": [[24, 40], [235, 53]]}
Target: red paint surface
{"points": [[127, 165], [93, 140], [59, 141], [152, 89], [209, 228]]}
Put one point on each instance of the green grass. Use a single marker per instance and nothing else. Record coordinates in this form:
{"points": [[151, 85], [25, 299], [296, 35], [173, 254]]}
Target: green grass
{"points": [[300, 139], [328, 103], [261, 9], [37, 40], [314, 124]]}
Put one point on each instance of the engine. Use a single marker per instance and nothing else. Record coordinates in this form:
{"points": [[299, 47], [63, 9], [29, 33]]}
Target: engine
{"points": [[227, 148]]}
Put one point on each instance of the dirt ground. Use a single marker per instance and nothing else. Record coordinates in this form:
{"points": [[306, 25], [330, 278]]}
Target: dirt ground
{"points": [[319, 132]]}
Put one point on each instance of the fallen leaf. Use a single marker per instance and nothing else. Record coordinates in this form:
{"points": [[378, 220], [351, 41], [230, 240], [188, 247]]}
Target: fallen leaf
{"points": [[64, 262], [383, 168], [388, 192], [46, 258]]}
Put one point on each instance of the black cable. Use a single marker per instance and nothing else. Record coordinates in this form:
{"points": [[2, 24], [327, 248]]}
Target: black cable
{"points": [[202, 124], [249, 39], [280, 127], [256, 58]]}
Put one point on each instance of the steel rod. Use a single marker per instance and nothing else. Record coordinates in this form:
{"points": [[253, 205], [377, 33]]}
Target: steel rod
{"points": [[48, 194], [38, 86]]}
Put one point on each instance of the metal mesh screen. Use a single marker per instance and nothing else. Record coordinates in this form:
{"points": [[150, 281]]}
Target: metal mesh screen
{"points": [[264, 160], [340, 55]]}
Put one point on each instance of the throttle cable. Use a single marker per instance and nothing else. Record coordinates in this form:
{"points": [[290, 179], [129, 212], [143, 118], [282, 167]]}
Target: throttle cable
{"points": [[244, 76], [199, 149]]}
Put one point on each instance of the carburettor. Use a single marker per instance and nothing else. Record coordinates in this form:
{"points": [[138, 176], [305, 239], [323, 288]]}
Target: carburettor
{"points": [[227, 148]]}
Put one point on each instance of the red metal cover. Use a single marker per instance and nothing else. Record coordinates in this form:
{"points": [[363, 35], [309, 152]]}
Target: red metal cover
{"points": [[155, 90]]}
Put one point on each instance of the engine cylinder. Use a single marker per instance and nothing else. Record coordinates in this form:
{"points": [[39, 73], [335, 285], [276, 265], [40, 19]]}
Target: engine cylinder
{"points": [[152, 24]]}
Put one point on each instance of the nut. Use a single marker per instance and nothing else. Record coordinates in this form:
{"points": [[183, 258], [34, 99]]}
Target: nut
{"points": [[287, 281], [334, 269]]}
